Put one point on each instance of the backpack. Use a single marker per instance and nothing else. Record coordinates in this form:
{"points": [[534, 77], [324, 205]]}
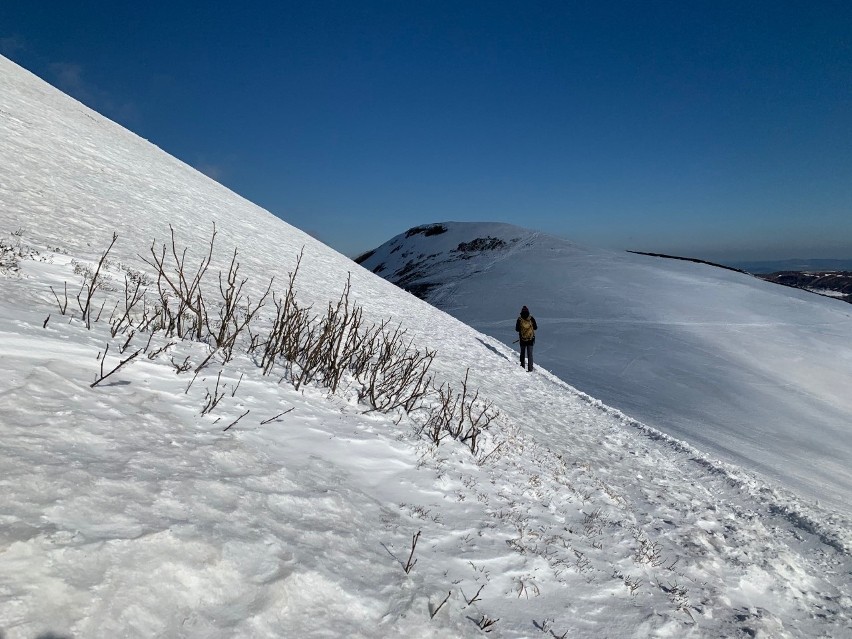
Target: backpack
{"points": [[527, 333]]}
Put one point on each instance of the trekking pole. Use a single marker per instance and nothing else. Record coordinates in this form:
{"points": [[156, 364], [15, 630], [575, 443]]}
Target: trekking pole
{"points": [[516, 341]]}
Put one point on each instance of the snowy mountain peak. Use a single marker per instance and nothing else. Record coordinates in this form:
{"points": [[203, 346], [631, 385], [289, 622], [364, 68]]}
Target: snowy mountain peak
{"points": [[409, 258]]}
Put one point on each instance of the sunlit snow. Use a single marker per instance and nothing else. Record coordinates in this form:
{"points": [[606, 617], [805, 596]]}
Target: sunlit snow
{"points": [[756, 373], [126, 512]]}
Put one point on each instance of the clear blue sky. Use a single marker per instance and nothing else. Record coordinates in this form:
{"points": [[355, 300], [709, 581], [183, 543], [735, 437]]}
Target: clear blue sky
{"points": [[718, 129]]}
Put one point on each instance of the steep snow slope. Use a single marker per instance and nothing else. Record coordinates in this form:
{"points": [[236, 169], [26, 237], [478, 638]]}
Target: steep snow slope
{"points": [[127, 512], [756, 373]]}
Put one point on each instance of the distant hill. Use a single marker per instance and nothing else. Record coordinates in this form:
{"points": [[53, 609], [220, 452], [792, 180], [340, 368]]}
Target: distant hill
{"points": [[829, 283], [753, 371]]}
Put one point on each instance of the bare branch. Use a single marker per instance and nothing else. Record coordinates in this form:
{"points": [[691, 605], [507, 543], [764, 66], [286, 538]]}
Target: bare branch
{"points": [[236, 420], [214, 399], [120, 364], [91, 286], [475, 598], [272, 419], [410, 564], [440, 605], [62, 306]]}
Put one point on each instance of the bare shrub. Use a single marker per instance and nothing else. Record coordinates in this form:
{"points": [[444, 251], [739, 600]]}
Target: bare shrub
{"points": [[343, 339], [486, 623], [176, 282], [211, 400], [137, 277], [157, 351], [461, 415], [321, 355], [92, 282], [647, 551], [390, 371], [183, 309], [398, 375], [387, 370], [593, 523], [133, 295], [410, 564], [678, 596], [181, 367], [12, 252], [63, 303], [10, 256], [235, 311], [283, 340]]}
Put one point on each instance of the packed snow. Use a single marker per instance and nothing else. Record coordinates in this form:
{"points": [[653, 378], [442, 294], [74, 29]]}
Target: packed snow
{"points": [[753, 372], [133, 509]]}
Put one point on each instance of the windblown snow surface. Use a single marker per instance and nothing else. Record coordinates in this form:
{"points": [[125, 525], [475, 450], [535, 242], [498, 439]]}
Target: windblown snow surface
{"points": [[755, 373], [128, 513]]}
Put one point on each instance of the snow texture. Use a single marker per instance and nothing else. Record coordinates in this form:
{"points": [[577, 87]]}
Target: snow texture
{"points": [[126, 512]]}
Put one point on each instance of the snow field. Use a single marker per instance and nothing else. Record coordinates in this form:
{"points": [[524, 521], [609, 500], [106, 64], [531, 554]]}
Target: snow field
{"points": [[128, 512], [238, 523]]}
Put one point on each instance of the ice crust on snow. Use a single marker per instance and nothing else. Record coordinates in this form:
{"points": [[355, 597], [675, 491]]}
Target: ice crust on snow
{"points": [[128, 513]]}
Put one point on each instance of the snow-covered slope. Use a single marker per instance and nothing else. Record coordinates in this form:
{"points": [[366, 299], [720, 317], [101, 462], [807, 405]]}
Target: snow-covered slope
{"points": [[128, 510], [753, 372]]}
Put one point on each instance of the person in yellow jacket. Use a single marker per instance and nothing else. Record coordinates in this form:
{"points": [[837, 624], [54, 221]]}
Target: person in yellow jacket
{"points": [[526, 328]]}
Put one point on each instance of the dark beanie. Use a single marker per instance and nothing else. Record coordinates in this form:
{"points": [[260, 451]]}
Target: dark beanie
{"points": [[525, 311]]}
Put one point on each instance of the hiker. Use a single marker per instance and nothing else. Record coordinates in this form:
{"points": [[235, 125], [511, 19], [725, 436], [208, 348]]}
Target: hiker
{"points": [[526, 328]]}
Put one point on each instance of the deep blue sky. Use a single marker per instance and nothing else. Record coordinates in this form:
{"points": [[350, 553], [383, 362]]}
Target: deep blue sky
{"points": [[719, 129]]}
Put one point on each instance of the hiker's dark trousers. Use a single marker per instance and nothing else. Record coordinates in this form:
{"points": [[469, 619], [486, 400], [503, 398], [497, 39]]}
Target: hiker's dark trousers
{"points": [[526, 354]]}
